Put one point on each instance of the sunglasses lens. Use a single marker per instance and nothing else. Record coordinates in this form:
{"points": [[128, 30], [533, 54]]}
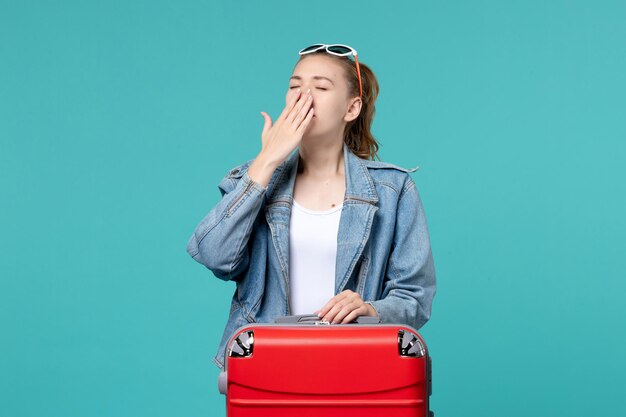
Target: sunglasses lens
{"points": [[311, 48], [339, 49]]}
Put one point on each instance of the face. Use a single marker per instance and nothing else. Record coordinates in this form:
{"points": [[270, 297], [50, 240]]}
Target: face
{"points": [[329, 90]]}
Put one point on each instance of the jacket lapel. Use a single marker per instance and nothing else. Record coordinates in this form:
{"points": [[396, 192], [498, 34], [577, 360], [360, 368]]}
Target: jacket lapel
{"points": [[278, 213], [359, 207], [357, 214]]}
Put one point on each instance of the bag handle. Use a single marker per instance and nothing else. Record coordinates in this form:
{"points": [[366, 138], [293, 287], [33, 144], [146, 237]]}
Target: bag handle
{"points": [[314, 319]]}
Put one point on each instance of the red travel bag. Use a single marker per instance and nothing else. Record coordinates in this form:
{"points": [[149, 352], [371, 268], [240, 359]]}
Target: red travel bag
{"points": [[303, 367]]}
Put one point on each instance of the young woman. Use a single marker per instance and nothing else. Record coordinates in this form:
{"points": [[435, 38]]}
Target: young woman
{"points": [[325, 229]]}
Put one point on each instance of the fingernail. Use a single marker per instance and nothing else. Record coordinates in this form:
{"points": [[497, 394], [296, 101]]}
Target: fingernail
{"points": [[298, 91], [308, 91]]}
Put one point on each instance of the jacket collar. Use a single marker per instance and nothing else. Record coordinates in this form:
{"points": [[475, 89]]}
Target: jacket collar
{"points": [[359, 183], [355, 223]]}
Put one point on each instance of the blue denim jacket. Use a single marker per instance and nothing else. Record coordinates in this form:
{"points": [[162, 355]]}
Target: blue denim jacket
{"points": [[383, 245]]}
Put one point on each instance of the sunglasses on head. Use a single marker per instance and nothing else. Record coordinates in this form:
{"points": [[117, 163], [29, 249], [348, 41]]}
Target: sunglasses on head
{"points": [[339, 50]]}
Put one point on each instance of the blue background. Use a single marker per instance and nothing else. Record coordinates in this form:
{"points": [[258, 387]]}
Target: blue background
{"points": [[118, 119]]}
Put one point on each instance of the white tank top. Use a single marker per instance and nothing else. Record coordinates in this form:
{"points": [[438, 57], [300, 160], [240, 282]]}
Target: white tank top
{"points": [[312, 257]]}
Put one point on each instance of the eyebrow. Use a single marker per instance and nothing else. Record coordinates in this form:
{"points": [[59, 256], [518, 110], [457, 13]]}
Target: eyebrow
{"points": [[315, 77]]}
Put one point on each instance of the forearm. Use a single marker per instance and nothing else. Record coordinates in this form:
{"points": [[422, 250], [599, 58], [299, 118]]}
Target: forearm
{"points": [[219, 242], [409, 301]]}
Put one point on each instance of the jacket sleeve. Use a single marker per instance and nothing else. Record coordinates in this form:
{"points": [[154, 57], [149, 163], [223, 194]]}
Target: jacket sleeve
{"points": [[220, 241], [409, 285]]}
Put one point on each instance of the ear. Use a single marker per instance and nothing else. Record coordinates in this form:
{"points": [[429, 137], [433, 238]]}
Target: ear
{"points": [[354, 109]]}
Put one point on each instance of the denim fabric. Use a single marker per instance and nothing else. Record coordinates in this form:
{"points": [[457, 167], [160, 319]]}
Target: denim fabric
{"points": [[383, 245]]}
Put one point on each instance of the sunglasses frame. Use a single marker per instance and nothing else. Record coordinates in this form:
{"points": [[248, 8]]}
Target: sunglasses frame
{"points": [[351, 52]]}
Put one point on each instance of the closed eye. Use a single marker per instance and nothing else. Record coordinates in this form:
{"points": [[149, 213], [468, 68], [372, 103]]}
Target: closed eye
{"points": [[319, 88]]}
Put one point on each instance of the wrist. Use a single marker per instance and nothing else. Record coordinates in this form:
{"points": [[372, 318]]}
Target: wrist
{"points": [[371, 311], [261, 170], [266, 162]]}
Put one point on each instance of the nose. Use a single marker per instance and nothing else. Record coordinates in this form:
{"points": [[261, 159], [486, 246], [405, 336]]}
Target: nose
{"points": [[303, 88]]}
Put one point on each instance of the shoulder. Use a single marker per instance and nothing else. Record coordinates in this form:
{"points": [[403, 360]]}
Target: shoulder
{"points": [[386, 174], [380, 165]]}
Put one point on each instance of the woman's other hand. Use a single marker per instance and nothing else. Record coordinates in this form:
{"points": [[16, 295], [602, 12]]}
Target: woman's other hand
{"points": [[345, 307]]}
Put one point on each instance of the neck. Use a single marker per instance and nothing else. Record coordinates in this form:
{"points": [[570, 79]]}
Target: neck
{"points": [[321, 160]]}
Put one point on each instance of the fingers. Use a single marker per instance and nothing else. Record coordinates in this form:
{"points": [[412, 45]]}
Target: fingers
{"points": [[268, 122], [345, 313], [341, 311], [301, 107], [343, 308], [297, 112], [350, 317], [305, 123], [293, 99], [324, 310]]}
